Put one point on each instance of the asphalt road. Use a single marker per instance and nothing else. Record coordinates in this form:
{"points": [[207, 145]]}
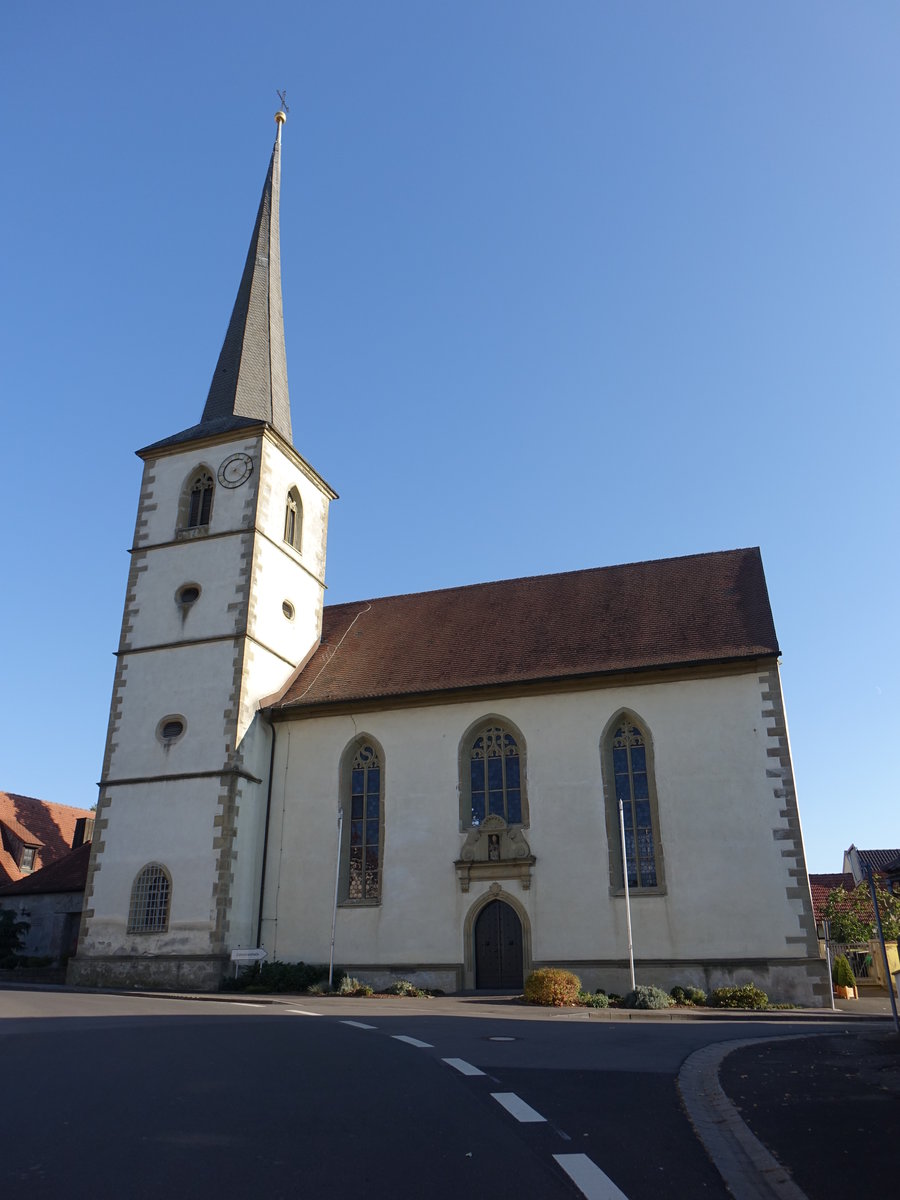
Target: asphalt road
{"points": [[121, 1096]]}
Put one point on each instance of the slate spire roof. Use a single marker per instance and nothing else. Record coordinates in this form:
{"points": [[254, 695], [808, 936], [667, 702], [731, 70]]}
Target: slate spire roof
{"points": [[250, 378], [249, 384]]}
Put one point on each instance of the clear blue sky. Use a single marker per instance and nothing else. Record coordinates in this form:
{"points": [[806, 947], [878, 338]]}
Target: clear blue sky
{"points": [[565, 284]]}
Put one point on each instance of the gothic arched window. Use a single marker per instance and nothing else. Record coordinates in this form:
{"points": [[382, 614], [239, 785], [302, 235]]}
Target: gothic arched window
{"points": [[628, 773], [293, 519], [362, 803], [492, 775], [151, 891], [200, 495]]}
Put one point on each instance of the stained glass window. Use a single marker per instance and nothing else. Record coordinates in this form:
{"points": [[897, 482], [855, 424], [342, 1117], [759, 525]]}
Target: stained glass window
{"points": [[365, 824], [150, 894], [494, 776], [629, 760], [200, 501]]}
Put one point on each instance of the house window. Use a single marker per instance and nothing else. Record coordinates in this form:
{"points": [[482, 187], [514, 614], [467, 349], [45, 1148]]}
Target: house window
{"points": [[26, 863], [200, 501], [293, 519], [363, 808], [492, 775], [150, 895], [629, 777]]}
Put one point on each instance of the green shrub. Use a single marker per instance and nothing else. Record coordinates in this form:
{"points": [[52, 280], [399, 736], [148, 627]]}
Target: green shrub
{"points": [[647, 996], [403, 987], [747, 996], [350, 986], [688, 995], [593, 999], [552, 986], [279, 977], [842, 972]]}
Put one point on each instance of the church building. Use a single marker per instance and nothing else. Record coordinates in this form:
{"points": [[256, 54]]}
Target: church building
{"points": [[458, 783]]}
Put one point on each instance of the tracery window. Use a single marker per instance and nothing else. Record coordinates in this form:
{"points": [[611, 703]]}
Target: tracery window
{"points": [[631, 782], [200, 500], [151, 891], [293, 519], [364, 792], [495, 776]]}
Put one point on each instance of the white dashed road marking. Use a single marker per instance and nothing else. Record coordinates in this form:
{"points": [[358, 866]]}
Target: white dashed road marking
{"points": [[588, 1177], [359, 1024], [411, 1041], [519, 1109], [462, 1066], [302, 1012]]}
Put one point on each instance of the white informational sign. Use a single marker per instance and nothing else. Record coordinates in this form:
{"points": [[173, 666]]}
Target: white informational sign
{"points": [[250, 955]]}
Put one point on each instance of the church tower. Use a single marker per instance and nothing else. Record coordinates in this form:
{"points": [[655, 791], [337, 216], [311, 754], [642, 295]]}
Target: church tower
{"points": [[223, 603]]}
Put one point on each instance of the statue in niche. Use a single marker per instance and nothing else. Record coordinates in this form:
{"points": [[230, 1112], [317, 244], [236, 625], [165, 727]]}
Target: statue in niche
{"points": [[493, 847]]}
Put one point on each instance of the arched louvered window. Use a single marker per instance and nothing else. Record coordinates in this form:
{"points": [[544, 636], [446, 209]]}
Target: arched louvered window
{"points": [[200, 500], [628, 774], [362, 803], [293, 519], [151, 892], [492, 768]]}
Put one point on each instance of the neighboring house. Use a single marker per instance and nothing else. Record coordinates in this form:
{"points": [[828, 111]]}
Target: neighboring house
{"points": [[50, 901], [821, 887], [35, 833], [476, 742], [884, 863]]}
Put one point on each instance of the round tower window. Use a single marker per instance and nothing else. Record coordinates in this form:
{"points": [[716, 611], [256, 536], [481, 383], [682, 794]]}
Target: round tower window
{"points": [[288, 609], [170, 729], [188, 593]]}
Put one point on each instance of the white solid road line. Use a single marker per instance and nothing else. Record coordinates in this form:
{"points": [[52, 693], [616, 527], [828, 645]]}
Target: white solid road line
{"points": [[302, 1012], [519, 1109], [462, 1066], [410, 1041], [359, 1024], [588, 1177]]}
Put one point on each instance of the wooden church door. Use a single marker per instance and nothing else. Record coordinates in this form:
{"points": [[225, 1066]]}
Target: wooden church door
{"points": [[498, 947]]}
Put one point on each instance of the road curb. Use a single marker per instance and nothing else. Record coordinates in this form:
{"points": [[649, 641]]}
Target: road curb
{"points": [[750, 1171]]}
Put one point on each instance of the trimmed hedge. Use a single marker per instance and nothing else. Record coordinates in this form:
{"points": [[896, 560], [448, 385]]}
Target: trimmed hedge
{"points": [[688, 995], [647, 996], [747, 996], [842, 973], [552, 986]]}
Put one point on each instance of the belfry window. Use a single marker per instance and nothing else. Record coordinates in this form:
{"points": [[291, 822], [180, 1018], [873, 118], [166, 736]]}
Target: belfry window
{"points": [[293, 519], [150, 895], [629, 778], [492, 769], [200, 500]]}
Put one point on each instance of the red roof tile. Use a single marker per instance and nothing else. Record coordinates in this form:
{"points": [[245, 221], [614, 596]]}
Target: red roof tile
{"points": [[51, 827], [67, 874], [703, 608], [822, 886]]}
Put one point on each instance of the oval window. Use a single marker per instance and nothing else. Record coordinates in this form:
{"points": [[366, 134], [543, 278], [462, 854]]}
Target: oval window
{"points": [[288, 609], [170, 729], [188, 594]]}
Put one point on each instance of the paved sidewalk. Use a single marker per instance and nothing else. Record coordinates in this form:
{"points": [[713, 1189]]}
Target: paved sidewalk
{"points": [[827, 1107]]}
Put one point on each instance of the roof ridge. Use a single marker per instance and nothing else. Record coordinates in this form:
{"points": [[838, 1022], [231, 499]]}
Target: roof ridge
{"points": [[486, 583]]}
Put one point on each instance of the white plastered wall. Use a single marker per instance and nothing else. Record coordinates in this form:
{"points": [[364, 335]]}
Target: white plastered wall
{"points": [[716, 809]]}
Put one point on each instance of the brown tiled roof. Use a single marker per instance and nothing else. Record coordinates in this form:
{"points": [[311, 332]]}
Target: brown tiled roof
{"points": [[822, 886], [67, 874], [703, 608], [51, 827]]}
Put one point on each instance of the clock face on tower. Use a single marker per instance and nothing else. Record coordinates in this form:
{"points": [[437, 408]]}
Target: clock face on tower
{"points": [[235, 470]]}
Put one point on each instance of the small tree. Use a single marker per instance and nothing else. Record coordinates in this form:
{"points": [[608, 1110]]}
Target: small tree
{"points": [[842, 972], [12, 935], [852, 918]]}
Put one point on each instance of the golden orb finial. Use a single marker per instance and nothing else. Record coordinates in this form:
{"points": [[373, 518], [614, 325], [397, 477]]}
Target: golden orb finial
{"points": [[280, 117]]}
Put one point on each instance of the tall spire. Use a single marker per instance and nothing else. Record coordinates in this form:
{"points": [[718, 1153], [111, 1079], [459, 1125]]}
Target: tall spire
{"points": [[250, 379]]}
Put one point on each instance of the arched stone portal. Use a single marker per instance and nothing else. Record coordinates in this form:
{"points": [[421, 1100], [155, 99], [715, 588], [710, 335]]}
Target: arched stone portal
{"points": [[499, 958]]}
